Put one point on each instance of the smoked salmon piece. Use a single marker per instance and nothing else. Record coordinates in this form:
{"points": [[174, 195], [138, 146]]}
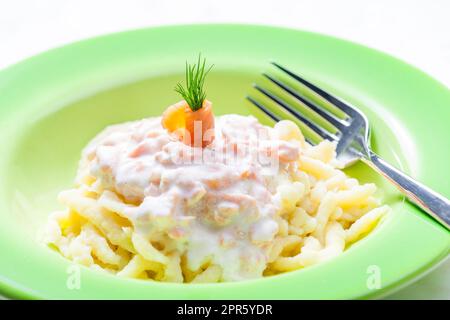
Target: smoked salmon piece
{"points": [[194, 128], [192, 119]]}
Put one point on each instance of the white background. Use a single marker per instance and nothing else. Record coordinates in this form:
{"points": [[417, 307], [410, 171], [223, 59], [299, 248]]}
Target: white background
{"points": [[415, 31]]}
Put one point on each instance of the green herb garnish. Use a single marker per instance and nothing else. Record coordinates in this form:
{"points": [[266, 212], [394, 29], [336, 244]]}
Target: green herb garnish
{"points": [[194, 94]]}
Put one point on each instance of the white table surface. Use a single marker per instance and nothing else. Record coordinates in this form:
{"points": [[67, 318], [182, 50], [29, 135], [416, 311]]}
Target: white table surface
{"points": [[414, 31]]}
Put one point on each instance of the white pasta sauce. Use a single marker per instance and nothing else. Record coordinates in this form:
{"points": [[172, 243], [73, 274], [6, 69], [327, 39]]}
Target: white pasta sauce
{"points": [[218, 203]]}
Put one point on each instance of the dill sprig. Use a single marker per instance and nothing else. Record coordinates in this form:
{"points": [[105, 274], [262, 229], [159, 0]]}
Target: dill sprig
{"points": [[193, 93]]}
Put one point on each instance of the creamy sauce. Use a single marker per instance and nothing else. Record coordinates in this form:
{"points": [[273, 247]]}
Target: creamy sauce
{"points": [[217, 203]]}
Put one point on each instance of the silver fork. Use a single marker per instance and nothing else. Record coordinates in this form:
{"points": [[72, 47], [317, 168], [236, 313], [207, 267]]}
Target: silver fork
{"points": [[352, 139]]}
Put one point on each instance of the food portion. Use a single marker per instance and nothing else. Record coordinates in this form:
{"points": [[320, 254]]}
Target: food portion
{"points": [[189, 197]]}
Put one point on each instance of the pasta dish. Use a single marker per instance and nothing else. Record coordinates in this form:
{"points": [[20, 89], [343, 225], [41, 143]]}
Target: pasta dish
{"points": [[193, 197]]}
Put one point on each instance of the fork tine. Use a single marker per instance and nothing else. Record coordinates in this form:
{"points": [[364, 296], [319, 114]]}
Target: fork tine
{"points": [[263, 109], [328, 97], [336, 122], [271, 114], [320, 131]]}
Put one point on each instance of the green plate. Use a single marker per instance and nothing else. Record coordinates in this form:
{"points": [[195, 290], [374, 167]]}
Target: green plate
{"points": [[52, 104]]}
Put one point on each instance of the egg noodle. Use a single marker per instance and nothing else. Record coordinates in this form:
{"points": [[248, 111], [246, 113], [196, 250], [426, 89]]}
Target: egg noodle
{"points": [[135, 212]]}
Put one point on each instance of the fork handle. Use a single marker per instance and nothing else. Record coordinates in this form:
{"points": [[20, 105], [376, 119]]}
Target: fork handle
{"points": [[432, 202]]}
